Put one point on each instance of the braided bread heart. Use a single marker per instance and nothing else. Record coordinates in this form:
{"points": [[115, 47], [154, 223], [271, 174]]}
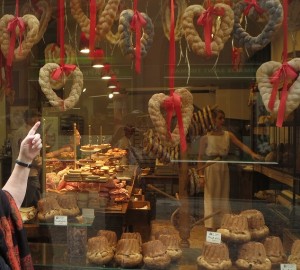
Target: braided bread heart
{"points": [[30, 36], [265, 87], [82, 19], [244, 39], [159, 122], [124, 30], [43, 11], [220, 36], [55, 101]]}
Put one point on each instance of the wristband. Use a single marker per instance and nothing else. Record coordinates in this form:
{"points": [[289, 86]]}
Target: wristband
{"points": [[23, 164]]}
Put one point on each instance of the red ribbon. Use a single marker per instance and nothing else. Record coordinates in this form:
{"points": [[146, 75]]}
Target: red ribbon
{"points": [[173, 104], [64, 69], [136, 24], [11, 27], [284, 73], [206, 19], [61, 27], [235, 58], [252, 4], [92, 27]]}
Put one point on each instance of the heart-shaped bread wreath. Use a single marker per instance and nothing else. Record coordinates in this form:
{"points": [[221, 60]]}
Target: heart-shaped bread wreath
{"points": [[41, 9], [30, 36], [76, 89], [263, 74], [244, 39], [220, 35], [154, 108]]}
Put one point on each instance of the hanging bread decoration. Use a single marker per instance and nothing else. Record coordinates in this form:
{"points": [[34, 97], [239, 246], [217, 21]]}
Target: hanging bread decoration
{"points": [[106, 20], [216, 34], [157, 103], [42, 9], [124, 29], [165, 14], [82, 19], [45, 78], [265, 76], [153, 146], [52, 54], [27, 27], [275, 16]]}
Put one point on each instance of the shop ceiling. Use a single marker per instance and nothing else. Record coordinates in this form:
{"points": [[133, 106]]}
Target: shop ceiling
{"points": [[191, 70]]}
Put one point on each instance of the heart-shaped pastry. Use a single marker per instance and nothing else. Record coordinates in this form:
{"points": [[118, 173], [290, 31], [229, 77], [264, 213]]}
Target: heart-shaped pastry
{"points": [[244, 39], [154, 108], [42, 9], [125, 32], [265, 87], [55, 101], [220, 35], [29, 39], [82, 19]]}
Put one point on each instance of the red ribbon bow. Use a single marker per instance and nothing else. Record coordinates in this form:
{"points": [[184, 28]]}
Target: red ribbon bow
{"points": [[284, 73], [171, 104], [64, 69], [206, 19], [252, 4], [136, 25], [11, 27]]}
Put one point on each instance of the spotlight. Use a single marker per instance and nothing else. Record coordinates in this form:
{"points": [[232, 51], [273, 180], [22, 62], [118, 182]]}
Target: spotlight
{"points": [[84, 44], [97, 58], [111, 95], [106, 72]]}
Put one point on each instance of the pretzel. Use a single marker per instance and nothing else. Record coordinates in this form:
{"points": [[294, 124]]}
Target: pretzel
{"points": [[220, 35], [159, 122], [52, 54], [55, 101], [29, 39], [106, 21], [43, 11], [244, 39], [124, 30], [82, 19], [265, 87], [165, 12]]}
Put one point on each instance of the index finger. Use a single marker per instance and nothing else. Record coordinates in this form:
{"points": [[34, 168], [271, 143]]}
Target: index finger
{"points": [[34, 128]]}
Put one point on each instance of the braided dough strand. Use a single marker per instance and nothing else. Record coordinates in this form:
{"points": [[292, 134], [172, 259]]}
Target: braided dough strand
{"points": [[220, 35]]}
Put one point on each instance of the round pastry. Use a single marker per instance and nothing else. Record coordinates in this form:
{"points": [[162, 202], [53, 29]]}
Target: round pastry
{"points": [[155, 255], [128, 253], [274, 249], [99, 251], [87, 147], [171, 241], [133, 235], [252, 255], [214, 256], [295, 254], [111, 237], [48, 208], [234, 228], [256, 224]]}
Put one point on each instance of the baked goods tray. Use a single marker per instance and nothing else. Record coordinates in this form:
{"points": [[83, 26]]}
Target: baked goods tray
{"points": [[86, 179]]}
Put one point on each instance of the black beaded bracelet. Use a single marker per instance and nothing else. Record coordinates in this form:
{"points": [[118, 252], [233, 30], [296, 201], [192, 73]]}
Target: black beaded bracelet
{"points": [[23, 164]]}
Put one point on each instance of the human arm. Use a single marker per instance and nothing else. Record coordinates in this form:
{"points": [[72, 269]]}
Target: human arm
{"points": [[30, 147], [244, 147]]}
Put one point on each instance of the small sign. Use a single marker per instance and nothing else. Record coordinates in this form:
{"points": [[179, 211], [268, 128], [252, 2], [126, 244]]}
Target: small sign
{"points": [[61, 220], [288, 266], [88, 212], [213, 237]]}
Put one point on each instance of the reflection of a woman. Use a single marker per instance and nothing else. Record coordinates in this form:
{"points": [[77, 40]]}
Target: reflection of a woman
{"points": [[215, 145]]}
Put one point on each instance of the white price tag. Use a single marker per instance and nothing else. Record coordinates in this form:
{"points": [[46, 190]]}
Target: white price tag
{"points": [[61, 220], [288, 266], [87, 212], [213, 237]]}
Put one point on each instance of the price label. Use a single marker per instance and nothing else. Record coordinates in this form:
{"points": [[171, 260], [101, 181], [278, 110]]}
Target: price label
{"points": [[61, 220], [288, 266], [213, 237]]}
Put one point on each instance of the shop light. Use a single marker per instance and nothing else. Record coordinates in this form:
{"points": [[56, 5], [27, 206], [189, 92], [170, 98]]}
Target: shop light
{"points": [[113, 83], [111, 95], [97, 57], [84, 44]]}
